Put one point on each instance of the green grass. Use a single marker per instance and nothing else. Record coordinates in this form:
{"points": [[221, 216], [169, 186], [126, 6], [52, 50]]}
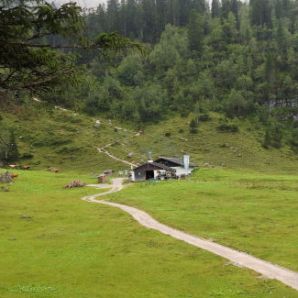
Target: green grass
{"points": [[52, 244], [252, 212], [67, 140]]}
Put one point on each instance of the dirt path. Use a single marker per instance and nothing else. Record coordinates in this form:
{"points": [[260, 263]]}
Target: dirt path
{"points": [[268, 270], [104, 151]]}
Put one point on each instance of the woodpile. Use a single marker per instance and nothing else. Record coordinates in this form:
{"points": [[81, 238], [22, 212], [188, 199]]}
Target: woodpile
{"points": [[22, 167], [25, 167], [13, 166], [75, 184]]}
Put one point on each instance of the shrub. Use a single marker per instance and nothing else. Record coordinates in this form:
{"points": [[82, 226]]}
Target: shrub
{"points": [[27, 155], [52, 140], [294, 140], [193, 126], [273, 137], [68, 149], [204, 118], [9, 151], [227, 127], [168, 134], [236, 105]]}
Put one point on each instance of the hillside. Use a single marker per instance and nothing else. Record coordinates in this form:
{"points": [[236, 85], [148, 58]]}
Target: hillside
{"points": [[67, 140]]}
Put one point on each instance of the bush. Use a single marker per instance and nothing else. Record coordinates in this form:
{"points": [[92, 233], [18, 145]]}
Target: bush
{"points": [[9, 151], [273, 137], [237, 106], [68, 149], [193, 126], [52, 140], [227, 127], [168, 134], [27, 155], [294, 140], [204, 118]]}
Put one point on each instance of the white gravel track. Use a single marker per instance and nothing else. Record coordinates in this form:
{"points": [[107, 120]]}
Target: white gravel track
{"points": [[266, 269]]}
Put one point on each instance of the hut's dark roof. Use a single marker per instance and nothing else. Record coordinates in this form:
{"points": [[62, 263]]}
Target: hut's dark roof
{"points": [[157, 165], [176, 160]]}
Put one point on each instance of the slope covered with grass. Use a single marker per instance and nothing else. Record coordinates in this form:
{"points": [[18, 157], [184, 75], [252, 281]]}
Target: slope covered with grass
{"points": [[55, 137]]}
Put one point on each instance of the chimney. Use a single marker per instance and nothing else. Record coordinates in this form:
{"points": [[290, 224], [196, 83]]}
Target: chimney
{"points": [[186, 159], [150, 156]]}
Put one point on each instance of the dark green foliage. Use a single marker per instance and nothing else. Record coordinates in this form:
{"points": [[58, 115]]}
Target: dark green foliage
{"points": [[34, 39], [193, 126], [27, 155], [261, 12], [9, 151], [13, 151], [204, 118], [27, 58], [215, 8], [228, 128], [273, 137], [196, 32], [237, 106], [226, 8], [239, 59], [294, 140], [239, 62]]}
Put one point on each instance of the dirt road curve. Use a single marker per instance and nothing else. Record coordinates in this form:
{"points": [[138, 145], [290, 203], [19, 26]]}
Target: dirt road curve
{"points": [[268, 270], [101, 150]]}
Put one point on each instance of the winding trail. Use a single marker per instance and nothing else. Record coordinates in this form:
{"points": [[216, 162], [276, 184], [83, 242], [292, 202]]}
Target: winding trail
{"points": [[104, 151], [240, 259]]}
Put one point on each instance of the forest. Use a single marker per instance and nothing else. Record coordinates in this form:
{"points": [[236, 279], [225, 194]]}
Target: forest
{"points": [[233, 57]]}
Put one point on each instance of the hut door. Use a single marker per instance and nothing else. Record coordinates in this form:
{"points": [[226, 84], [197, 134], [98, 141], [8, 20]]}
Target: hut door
{"points": [[149, 175]]}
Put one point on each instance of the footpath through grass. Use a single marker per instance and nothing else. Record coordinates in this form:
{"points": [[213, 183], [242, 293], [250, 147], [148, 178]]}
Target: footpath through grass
{"points": [[255, 213], [52, 244]]}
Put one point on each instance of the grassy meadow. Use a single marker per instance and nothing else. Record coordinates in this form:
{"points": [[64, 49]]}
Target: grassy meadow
{"points": [[252, 212], [53, 244]]}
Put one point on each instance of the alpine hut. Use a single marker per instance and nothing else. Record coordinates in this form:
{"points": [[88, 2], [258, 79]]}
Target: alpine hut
{"points": [[163, 168]]}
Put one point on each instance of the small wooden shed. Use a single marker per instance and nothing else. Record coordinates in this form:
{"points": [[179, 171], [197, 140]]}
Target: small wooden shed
{"points": [[103, 178]]}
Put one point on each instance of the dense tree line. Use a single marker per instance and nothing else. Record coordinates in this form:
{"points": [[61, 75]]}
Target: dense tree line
{"points": [[236, 58], [146, 19], [231, 55]]}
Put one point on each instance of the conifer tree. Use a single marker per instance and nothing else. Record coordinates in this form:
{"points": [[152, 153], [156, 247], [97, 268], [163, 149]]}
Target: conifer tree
{"points": [[215, 8], [261, 13], [226, 8], [13, 151], [196, 32], [113, 15]]}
